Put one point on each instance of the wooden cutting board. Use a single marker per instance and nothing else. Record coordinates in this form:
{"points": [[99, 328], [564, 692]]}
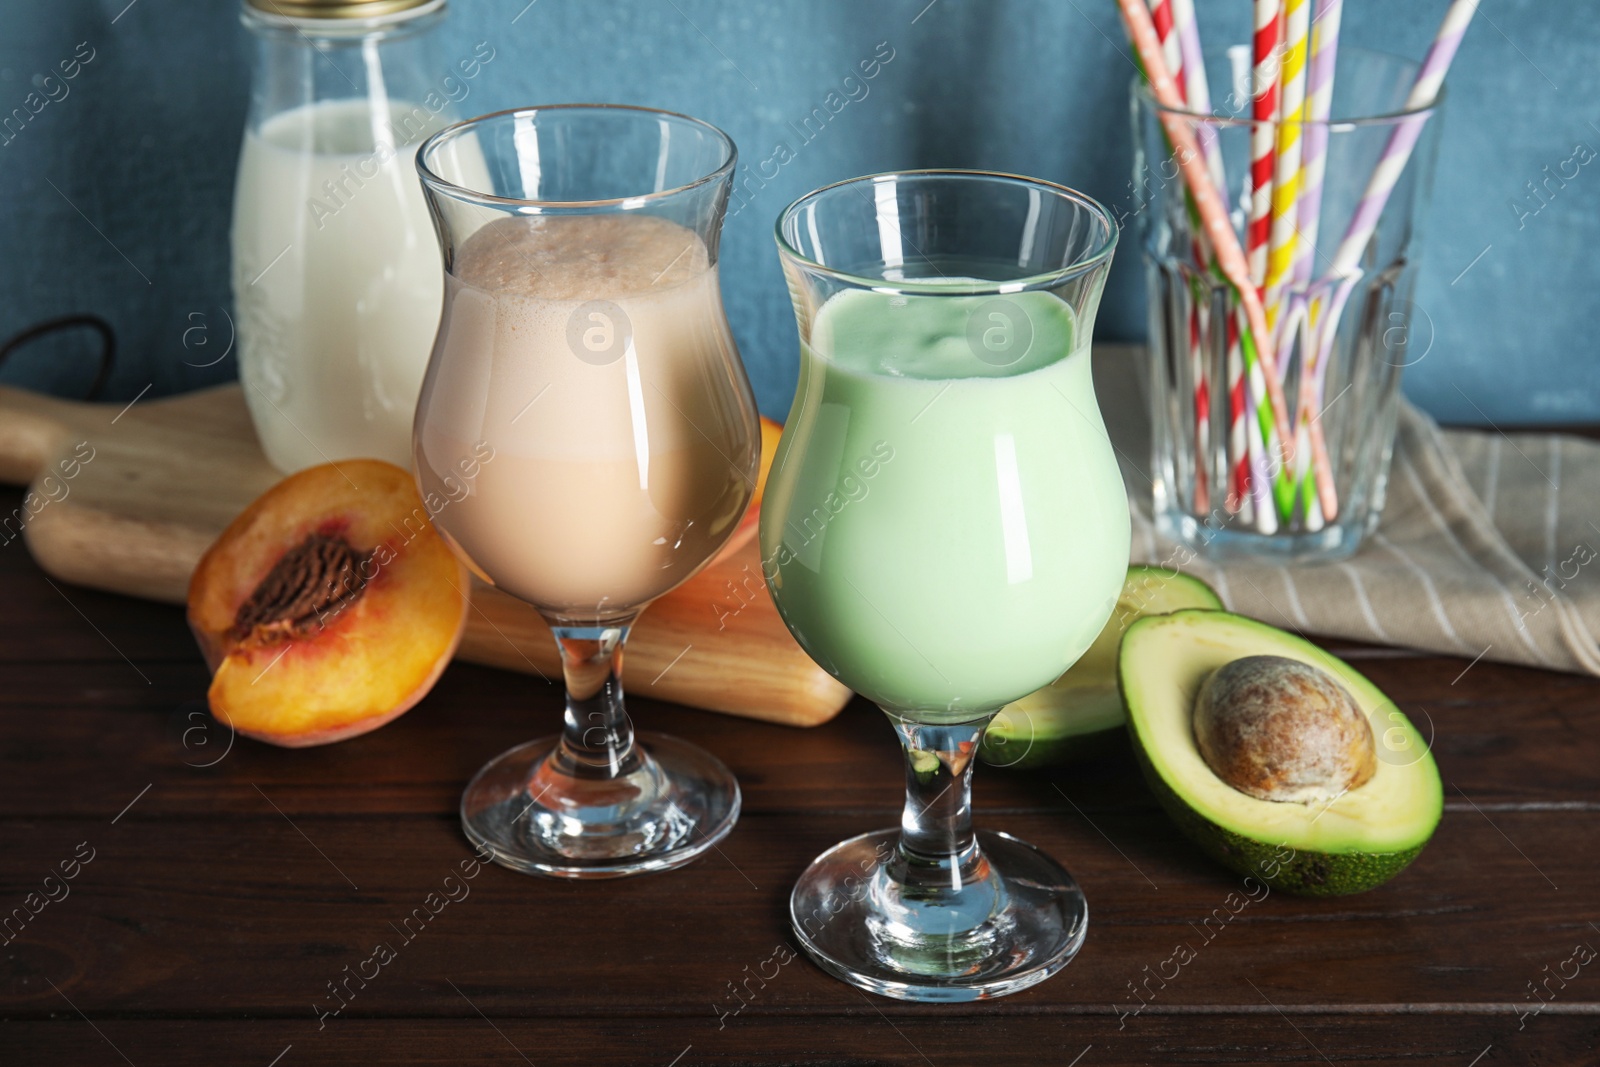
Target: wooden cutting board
{"points": [[164, 477]]}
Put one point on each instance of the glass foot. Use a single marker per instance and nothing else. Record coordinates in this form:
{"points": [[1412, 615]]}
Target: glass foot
{"points": [[670, 803], [1017, 919]]}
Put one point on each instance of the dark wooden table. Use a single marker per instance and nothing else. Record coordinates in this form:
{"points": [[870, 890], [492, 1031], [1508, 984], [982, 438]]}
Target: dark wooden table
{"points": [[220, 890]]}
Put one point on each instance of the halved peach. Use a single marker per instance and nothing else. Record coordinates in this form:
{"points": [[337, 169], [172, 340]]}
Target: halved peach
{"points": [[328, 607]]}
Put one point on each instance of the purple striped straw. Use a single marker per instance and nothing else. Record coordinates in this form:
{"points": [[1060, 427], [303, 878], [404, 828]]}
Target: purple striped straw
{"points": [[1314, 167], [1404, 138], [1424, 91], [1314, 153], [1197, 90]]}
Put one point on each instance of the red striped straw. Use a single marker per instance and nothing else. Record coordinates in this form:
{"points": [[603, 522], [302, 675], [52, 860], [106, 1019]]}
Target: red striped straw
{"points": [[1162, 16], [1264, 112], [1171, 47], [1238, 448], [1258, 231], [1212, 211], [1314, 149], [1238, 470], [1202, 407]]}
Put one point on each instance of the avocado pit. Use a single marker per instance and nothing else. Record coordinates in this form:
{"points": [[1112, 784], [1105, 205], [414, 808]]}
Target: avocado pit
{"points": [[1279, 729]]}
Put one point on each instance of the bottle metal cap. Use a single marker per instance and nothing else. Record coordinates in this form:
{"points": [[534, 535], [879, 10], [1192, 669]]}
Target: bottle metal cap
{"points": [[336, 9]]}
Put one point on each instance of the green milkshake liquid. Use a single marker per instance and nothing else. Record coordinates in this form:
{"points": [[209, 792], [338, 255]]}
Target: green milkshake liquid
{"points": [[945, 533]]}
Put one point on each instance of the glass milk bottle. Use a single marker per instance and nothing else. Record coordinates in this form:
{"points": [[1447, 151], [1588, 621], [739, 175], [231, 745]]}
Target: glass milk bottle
{"points": [[336, 272]]}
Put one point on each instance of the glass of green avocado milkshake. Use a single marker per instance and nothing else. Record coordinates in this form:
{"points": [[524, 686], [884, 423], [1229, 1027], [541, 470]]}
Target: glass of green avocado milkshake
{"points": [[945, 530]]}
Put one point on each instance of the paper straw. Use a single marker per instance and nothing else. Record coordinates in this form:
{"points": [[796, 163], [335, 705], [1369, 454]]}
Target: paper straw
{"points": [[1313, 168], [1197, 90], [1327, 329], [1240, 69], [1202, 396], [1347, 260], [1265, 513], [1171, 46], [1270, 480], [1286, 157], [1163, 18], [1317, 494], [1238, 448], [1208, 204], [1314, 151], [1294, 323], [1313, 369], [1178, 53], [1172, 52], [1424, 91], [1264, 112]]}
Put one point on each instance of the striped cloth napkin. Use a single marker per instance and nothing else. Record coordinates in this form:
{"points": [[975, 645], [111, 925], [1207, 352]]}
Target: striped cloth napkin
{"points": [[1489, 547]]}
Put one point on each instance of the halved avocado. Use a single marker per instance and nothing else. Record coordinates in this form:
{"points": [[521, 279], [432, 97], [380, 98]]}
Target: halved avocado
{"points": [[1355, 842], [1080, 714]]}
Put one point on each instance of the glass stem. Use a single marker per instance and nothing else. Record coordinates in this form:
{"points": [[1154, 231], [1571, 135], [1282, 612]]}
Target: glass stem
{"points": [[937, 846], [597, 736]]}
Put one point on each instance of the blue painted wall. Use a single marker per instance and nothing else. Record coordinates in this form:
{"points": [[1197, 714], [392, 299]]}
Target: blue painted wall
{"points": [[115, 198]]}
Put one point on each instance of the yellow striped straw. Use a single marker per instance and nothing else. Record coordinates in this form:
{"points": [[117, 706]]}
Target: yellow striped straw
{"points": [[1287, 172]]}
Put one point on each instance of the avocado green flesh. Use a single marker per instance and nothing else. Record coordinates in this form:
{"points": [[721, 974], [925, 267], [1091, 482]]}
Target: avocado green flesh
{"points": [[1071, 722], [1080, 714], [1355, 842]]}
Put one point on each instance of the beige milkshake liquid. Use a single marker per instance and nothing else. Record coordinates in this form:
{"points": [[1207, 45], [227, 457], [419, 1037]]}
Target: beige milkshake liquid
{"points": [[589, 359]]}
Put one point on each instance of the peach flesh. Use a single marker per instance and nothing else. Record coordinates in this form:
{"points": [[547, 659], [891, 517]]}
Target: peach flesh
{"points": [[329, 606]]}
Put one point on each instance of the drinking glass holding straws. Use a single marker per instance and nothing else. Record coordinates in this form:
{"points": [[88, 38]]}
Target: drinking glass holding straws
{"points": [[1224, 481]]}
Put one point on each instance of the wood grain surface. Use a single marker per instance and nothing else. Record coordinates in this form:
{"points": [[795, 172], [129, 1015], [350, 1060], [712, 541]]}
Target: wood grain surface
{"points": [[163, 477], [231, 882]]}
